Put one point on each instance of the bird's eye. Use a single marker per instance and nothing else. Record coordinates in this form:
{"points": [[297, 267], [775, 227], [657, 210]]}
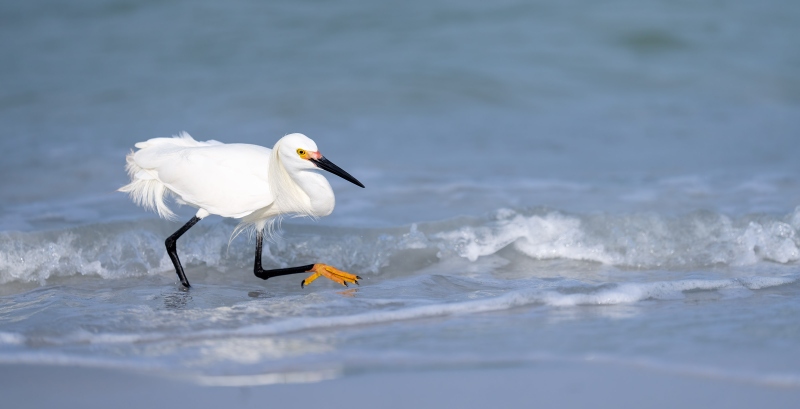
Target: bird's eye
{"points": [[301, 152]]}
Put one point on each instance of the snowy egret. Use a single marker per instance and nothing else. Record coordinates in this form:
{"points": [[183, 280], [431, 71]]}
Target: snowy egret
{"points": [[247, 182]]}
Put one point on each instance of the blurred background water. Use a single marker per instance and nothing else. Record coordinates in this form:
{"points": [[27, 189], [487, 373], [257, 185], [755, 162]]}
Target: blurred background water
{"points": [[545, 180]]}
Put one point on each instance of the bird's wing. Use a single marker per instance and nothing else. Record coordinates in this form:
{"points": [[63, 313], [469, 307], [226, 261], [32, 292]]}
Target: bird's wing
{"points": [[229, 180]]}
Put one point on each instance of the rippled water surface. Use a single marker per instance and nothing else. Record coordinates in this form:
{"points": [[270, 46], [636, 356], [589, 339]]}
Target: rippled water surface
{"points": [[544, 181]]}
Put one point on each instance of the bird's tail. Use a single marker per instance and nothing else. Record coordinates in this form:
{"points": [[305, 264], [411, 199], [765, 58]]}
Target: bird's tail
{"points": [[146, 190]]}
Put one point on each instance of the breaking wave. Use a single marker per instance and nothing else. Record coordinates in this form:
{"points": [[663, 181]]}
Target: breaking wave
{"points": [[633, 241]]}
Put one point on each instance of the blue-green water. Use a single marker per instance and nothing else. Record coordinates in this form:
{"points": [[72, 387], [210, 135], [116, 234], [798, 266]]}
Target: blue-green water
{"points": [[545, 181]]}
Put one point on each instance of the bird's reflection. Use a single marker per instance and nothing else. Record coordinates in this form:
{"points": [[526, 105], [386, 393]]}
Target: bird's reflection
{"points": [[177, 300], [259, 294], [348, 293]]}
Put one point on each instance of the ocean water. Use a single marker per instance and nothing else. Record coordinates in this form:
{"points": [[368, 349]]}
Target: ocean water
{"points": [[545, 182]]}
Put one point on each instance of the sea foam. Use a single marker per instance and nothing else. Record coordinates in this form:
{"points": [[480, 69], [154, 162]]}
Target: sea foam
{"points": [[632, 241], [637, 240], [383, 311]]}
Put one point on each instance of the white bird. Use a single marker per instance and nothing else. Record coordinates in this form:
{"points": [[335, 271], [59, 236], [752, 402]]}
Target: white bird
{"points": [[242, 181]]}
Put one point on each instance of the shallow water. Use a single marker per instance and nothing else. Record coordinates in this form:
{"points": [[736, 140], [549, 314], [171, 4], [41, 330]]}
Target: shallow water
{"points": [[565, 181]]}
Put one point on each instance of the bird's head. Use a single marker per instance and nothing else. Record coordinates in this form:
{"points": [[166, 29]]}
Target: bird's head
{"points": [[299, 152]]}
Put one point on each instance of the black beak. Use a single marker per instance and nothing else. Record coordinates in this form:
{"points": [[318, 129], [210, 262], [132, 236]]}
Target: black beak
{"points": [[325, 164]]}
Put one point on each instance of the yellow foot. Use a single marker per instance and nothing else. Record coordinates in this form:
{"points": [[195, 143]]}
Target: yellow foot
{"points": [[334, 274]]}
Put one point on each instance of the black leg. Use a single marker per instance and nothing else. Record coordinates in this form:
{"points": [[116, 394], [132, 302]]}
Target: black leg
{"points": [[265, 274], [173, 253]]}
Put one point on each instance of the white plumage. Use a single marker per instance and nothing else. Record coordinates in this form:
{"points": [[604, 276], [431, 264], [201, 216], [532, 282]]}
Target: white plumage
{"points": [[242, 181]]}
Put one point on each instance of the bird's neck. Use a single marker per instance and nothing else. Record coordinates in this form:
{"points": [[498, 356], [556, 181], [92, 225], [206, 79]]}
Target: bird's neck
{"points": [[318, 190], [298, 192]]}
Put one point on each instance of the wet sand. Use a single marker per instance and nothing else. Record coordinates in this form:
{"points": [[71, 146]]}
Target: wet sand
{"points": [[542, 386]]}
